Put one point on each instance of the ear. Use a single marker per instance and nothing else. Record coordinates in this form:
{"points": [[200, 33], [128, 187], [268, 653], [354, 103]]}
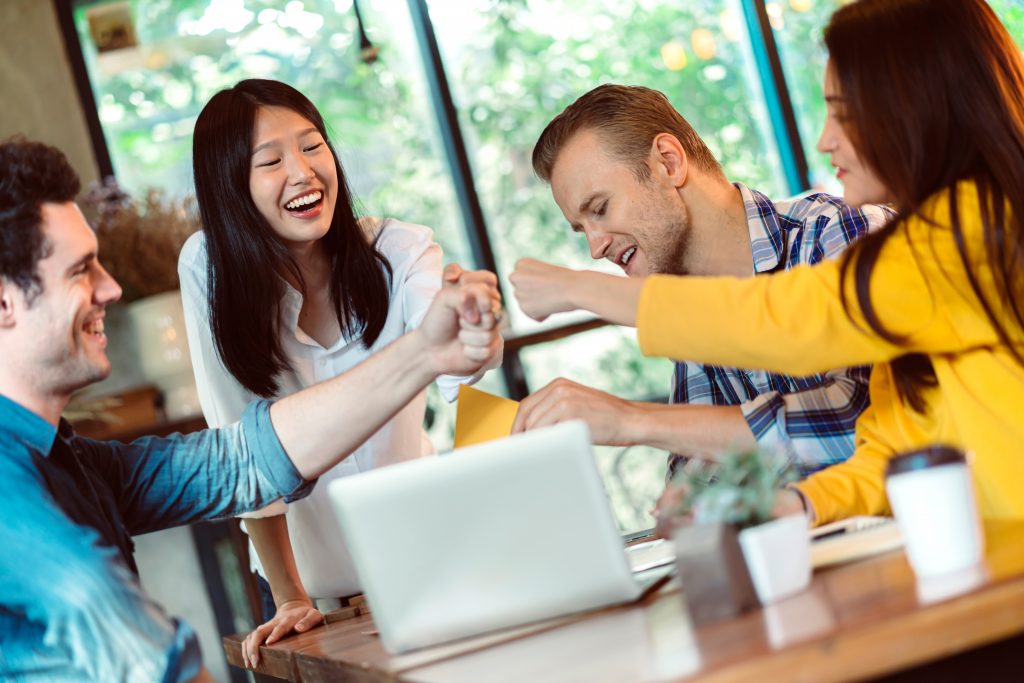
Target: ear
{"points": [[669, 159], [8, 304]]}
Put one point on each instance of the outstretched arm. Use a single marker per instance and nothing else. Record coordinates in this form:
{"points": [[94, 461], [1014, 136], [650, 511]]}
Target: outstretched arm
{"points": [[543, 290], [277, 450], [322, 424]]}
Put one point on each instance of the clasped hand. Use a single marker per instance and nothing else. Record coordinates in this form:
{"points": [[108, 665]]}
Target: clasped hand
{"points": [[461, 329]]}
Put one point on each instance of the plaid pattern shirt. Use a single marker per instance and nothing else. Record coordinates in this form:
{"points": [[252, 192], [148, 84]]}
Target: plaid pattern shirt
{"points": [[810, 419]]}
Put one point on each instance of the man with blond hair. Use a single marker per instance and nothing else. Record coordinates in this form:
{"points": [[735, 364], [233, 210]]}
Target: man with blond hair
{"points": [[632, 176]]}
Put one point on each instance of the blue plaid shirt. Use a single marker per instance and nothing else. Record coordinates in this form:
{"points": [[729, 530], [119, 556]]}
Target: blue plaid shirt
{"points": [[810, 419], [71, 607]]}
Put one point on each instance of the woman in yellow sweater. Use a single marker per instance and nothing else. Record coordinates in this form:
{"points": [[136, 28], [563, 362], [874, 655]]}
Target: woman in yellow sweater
{"points": [[926, 111]]}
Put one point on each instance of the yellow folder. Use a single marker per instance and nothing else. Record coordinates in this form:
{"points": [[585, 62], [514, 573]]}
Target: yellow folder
{"points": [[482, 417]]}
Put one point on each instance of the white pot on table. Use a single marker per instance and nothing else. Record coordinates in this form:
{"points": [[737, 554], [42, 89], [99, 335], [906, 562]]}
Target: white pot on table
{"points": [[778, 557]]}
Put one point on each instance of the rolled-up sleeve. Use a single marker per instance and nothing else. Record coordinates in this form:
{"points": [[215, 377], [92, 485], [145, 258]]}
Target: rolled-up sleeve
{"points": [[217, 473]]}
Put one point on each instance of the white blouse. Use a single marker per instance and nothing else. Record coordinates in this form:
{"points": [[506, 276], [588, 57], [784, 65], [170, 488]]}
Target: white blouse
{"points": [[323, 562]]}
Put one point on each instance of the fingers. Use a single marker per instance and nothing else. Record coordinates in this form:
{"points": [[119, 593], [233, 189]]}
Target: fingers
{"points": [[477, 305], [252, 642], [451, 275], [537, 288], [475, 283], [474, 336], [280, 630], [549, 405], [286, 620], [454, 275], [483, 277], [312, 619]]}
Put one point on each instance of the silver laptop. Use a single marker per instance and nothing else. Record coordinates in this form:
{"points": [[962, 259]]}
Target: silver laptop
{"points": [[488, 537]]}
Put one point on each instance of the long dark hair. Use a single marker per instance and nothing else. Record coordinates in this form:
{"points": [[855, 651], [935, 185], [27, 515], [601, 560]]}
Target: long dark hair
{"points": [[933, 93], [246, 257]]}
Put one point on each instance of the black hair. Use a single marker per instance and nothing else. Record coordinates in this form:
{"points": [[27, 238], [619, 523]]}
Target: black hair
{"points": [[933, 94], [247, 258], [31, 174]]}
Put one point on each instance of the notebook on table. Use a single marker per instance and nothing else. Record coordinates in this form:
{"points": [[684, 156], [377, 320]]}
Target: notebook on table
{"points": [[854, 538], [489, 537]]}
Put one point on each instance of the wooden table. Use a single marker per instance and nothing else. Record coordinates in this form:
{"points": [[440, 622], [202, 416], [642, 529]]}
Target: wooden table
{"points": [[859, 620]]}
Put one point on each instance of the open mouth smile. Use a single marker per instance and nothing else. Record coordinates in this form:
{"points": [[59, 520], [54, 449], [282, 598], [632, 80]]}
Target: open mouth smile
{"points": [[305, 204], [626, 256], [95, 330]]}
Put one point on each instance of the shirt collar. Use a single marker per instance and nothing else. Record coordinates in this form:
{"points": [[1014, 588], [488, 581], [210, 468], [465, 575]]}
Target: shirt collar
{"points": [[22, 425], [767, 240], [291, 306]]}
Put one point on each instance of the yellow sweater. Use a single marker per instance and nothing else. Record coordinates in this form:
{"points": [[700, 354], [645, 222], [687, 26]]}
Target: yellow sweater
{"points": [[794, 323]]}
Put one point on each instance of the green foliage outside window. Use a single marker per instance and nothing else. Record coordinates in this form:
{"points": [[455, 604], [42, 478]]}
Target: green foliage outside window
{"points": [[512, 65]]}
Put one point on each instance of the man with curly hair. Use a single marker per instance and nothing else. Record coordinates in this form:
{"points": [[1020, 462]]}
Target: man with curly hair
{"points": [[71, 606]]}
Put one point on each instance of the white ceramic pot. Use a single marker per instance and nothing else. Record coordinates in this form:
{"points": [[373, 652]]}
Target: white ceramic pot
{"points": [[158, 324], [778, 556]]}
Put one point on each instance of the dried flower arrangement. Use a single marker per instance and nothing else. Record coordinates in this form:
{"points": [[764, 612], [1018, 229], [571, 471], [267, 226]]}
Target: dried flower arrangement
{"points": [[139, 241]]}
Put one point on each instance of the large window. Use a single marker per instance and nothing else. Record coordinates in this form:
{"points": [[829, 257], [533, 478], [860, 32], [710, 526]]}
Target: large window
{"points": [[149, 95], [798, 26], [508, 67], [515, 65]]}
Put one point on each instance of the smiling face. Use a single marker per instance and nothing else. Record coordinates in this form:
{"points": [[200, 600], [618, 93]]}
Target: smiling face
{"points": [[642, 227], [293, 178], [61, 329], [860, 184]]}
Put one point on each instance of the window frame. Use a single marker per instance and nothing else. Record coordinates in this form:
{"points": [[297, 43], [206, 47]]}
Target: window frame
{"points": [[770, 73]]}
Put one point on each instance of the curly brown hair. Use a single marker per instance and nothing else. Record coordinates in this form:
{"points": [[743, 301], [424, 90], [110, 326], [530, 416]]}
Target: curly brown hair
{"points": [[31, 174]]}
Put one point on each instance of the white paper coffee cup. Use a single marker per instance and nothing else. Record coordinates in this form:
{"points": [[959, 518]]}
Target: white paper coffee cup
{"points": [[932, 497]]}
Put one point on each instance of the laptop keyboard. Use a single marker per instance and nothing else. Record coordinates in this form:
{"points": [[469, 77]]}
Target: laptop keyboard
{"points": [[649, 554]]}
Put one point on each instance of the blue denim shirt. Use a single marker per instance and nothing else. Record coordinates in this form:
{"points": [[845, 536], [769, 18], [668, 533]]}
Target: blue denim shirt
{"points": [[71, 607]]}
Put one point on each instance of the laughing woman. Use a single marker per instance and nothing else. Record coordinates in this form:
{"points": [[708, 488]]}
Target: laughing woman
{"points": [[926, 111], [284, 288]]}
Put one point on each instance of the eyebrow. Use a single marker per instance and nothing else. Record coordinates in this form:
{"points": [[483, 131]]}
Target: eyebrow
{"points": [[271, 143]]}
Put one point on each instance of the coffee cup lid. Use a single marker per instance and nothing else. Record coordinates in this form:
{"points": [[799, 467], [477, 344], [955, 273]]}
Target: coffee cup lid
{"points": [[932, 456]]}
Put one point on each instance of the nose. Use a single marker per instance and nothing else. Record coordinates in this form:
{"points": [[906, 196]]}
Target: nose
{"points": [[105, 290], [599, 243], [299, 170], [827, 140]]}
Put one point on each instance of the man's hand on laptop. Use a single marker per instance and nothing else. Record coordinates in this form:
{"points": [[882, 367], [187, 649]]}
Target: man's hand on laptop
{"points": [[297, 615], [460, 332], [609, 418]]}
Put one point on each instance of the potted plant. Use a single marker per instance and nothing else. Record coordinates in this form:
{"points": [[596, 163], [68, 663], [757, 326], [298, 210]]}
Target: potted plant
{"points": [[729, 547], [139, 242]]}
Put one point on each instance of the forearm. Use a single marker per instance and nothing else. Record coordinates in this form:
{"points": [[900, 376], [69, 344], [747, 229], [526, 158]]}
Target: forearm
{"points": [[317, 427], [694, 430], [273, 545], [607, 296]]}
